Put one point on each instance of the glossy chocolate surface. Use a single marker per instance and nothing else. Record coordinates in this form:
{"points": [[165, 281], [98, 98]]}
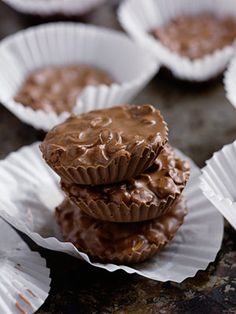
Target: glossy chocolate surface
{"points": [[98, 137], [196, 36], [57, 88], [166, 177]]}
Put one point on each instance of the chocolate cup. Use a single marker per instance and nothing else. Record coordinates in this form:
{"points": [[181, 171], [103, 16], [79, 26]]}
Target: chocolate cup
{"points": [[122, 213], [166, 230], [123, 164], [119, 169]]}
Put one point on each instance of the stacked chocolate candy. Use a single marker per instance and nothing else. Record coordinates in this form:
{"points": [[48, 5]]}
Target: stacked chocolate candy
{"points": [[122, 180]]}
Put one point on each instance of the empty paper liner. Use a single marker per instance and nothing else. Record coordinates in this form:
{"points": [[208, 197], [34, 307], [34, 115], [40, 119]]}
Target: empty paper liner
{"points": [[218, 182], [24, 276]]}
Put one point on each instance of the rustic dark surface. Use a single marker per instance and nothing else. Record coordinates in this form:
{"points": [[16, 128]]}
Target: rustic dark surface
{"points": [[201, 121]]}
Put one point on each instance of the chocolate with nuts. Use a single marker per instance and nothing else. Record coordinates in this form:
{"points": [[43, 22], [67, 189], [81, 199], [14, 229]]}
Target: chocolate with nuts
{"points": [[106, 146], [195, 36], [119, 243], [144, 197], [57, 88]]}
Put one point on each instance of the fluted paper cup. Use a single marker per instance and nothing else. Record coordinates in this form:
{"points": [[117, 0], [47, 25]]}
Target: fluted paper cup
{"points": [[218, 182], [58, 44], [24, 277], [139, 17], [52, 7], [230, 82], [30, 192]]}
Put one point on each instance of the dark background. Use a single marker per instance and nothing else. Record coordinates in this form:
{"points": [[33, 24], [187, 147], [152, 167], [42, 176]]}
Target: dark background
{"points": [[201, 121]]}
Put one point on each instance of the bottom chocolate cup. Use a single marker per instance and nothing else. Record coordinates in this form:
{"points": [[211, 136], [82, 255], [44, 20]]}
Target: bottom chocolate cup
{"points": [[120, 243]]}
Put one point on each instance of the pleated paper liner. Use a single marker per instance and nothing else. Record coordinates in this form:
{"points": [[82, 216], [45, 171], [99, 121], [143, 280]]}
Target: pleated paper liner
{"points": [[139, 17], [24, 277], [230, 82], [47, 8], [218, 182], [27, 183], [73, 221], [58, 44]]}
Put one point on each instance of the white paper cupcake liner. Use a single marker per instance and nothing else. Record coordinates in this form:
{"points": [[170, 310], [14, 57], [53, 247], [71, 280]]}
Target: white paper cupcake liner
{"points": [[57, 44], [27, 183], [24, 277], [218, 182], [139, 17], [230, 82], [50, 7]]}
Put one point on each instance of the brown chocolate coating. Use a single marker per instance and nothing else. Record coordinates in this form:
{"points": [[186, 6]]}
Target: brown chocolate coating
{"points": [[196, 36], [114, 242], [57, 88], [99, 137], [166, 177]]}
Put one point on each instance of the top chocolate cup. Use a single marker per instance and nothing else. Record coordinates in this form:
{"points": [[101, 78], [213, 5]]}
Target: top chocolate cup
{"points": [[106, 146]]}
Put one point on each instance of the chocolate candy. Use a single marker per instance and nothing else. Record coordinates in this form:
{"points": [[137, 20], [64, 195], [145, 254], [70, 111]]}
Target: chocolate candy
{"points": [[57, 88], [106, 146], [196, 36], [144, 197], [119, 243]]}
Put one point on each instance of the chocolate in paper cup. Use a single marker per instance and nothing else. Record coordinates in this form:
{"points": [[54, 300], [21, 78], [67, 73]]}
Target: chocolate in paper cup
{"points": [[77, 227], [59, 44], [230, 82], [52, 7], [139, 17], [24, 276], [218, 182], [30, 192]]}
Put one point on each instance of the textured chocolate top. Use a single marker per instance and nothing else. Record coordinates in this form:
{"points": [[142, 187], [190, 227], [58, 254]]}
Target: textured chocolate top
{"points": [[57, 88], [167, 176], [97, 137], [100, 237], [197, 36]]}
